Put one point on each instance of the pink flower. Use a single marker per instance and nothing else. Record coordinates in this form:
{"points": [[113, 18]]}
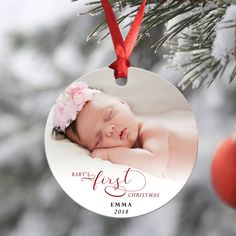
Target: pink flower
{"points": [[76, 88], [70, 103]]}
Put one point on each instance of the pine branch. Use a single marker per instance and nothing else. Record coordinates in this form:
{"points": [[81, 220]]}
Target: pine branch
{"points": [[196, 39], [196, 30]]}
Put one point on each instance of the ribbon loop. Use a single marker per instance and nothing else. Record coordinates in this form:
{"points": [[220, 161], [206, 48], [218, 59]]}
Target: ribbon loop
{"points": [[123, 49], [120, 67]]}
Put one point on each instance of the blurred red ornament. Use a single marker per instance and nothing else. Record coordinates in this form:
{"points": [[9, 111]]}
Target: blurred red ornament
{"points": [[223, 171]]}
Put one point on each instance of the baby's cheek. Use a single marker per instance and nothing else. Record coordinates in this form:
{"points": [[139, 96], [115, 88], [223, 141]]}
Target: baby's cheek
{"points": [[107, 142]]}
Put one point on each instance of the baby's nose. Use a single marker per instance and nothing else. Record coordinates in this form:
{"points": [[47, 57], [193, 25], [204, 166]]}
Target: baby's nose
{"points": [[109, 130]]}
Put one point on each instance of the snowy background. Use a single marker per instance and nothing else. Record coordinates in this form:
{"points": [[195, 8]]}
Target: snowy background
{"points": [[43, 48]]}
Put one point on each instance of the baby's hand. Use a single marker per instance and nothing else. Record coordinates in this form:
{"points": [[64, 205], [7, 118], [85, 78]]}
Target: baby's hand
{"points": [[101, 153]]}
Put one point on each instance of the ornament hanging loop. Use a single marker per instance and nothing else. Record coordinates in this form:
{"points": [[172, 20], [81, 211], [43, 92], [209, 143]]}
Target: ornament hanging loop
{"points": [[120, 67], [122, 48]]}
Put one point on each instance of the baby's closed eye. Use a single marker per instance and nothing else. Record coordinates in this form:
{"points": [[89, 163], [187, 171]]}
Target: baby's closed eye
{"points": [[108, 114]]}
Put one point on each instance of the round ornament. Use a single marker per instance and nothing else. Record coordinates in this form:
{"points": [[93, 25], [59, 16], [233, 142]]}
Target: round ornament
{"points": [[121, 151], [223, 171]]}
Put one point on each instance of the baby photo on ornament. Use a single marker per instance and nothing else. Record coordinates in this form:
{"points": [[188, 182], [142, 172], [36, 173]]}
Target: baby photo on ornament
{"points": [[162, 145]]}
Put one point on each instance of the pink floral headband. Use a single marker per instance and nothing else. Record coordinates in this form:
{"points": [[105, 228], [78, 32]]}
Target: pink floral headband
{"points": [[70, 103]]}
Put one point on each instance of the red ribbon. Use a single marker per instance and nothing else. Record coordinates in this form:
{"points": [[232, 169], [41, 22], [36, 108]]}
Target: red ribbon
{"points": [[122, 48]]}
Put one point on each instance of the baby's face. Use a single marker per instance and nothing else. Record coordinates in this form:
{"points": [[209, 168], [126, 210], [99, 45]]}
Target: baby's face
{"points": [[105, 122]]}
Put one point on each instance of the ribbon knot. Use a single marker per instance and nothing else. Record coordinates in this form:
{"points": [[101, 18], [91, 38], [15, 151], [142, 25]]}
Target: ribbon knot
{"points": [[120, 67], [122, 48]]}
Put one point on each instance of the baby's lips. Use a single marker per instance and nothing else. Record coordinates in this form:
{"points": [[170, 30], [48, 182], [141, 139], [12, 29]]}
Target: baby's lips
{"points": [[123, 133], [120, 133]]}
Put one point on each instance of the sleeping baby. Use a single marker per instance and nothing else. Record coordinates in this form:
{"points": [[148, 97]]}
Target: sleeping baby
{"points": [[107, 127]]}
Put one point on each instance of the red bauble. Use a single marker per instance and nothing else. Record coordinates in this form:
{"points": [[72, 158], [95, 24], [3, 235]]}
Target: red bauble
{"points": [[223, 172]]}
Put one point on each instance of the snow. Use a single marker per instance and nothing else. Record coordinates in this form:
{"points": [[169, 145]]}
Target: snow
{"points": [[222, 49], [225, 40]]}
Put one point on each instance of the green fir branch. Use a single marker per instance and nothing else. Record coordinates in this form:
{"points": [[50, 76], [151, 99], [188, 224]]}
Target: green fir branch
{"points": [[200, 17]]}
